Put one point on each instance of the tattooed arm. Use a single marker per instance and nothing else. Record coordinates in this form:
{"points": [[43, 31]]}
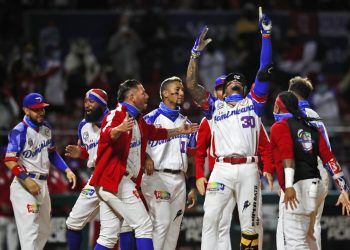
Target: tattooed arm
{"points": [[197, 91]]}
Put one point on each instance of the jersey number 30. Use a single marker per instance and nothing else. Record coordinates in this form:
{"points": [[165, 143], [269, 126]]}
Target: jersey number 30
{"points": [[248, 121]]}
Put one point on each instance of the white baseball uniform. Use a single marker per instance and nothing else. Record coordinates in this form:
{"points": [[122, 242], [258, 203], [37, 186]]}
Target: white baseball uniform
{"points": [[29, 145], [88, 204], [235, 133], [165, 190], [323, 185]]}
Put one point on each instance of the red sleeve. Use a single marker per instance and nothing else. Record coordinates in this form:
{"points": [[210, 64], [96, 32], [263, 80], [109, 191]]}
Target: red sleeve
{"points": [[324, 151], [203, 143], [154, 133], [265, 152], [83, 153], [281, 135]]}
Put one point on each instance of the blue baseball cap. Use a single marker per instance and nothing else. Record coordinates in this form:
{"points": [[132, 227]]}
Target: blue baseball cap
{"points": [[34, 101], [220, 81]]}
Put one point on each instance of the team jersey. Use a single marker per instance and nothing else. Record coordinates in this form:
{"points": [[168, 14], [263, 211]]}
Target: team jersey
{"points": [[89, 135], [30, 145], [134, 158], [305, 108], [170, 153], [235, 129]]}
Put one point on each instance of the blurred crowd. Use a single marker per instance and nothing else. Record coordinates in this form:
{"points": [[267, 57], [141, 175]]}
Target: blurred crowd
{"points": [[138, 47]]}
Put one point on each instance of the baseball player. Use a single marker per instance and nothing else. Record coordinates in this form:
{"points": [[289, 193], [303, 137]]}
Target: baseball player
{"points": [[30, 152], [235, 127], [164, 184], [121, 155], [88, 204], [302, 88], [295, 144], [203, 144]]}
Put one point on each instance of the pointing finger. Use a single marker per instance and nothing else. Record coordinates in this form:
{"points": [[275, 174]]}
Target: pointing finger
{"points": [[260, 12]]}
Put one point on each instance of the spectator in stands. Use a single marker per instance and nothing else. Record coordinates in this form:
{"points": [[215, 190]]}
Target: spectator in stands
{"points": [[55, 83], [81, 67], [49, 36], [123, 47], [212, 64]]}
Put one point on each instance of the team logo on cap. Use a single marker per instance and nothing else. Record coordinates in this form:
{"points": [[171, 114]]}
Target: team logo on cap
{"points": [[38, 99], [237, 77]]}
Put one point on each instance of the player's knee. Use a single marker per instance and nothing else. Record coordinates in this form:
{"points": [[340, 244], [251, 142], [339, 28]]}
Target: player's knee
{"points": [[144, 229], [211, 217], [108, 241], [74, 225], [249, 240]]}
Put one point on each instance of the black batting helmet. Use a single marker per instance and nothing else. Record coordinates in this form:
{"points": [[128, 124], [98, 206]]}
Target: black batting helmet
{"points": [[238, 77]]}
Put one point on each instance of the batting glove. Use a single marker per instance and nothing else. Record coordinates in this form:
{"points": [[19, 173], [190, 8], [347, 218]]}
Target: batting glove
{"points": [[200, 43], [265, 24]]}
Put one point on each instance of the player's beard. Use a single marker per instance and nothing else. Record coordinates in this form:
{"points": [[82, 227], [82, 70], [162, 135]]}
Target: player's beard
{"points": [[94, 115]]}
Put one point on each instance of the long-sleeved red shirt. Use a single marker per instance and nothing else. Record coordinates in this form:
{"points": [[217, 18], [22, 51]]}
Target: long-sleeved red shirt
{"points": [[283, 148], [112, 155], [203, 145]]}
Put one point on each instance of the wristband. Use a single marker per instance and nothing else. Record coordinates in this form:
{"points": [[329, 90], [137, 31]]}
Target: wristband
{"points": [[19, 172], [195, 55], [289, 177]]}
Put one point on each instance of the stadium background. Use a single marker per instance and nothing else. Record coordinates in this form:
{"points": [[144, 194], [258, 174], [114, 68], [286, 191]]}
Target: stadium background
{"points": [[62, 48]]}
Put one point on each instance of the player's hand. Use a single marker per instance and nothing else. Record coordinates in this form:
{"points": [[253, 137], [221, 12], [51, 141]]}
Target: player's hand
{"points": [[265, 24], [192, 198], [31, 186], [188, 128], [269, 179], [201, 42], [73, 151], [290, 198], [201, 183], [125, 126], [149, 165], [344, 201], [71, 177]]}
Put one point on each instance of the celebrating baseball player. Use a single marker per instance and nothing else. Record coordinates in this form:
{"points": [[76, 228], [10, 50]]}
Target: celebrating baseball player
{"points": [[295, 144], [120, 158], [302, 88], [203, 151], [88, 204], [30, 152], [235, 127], [164, 184]]}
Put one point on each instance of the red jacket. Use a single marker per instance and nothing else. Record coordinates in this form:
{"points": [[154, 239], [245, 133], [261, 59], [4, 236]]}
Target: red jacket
{"points": [[203, 145], [112, 155], [283, 148]]}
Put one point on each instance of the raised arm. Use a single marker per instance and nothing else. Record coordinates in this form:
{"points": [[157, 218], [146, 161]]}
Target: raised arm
{"points": [[196, 90], [263, 77]]}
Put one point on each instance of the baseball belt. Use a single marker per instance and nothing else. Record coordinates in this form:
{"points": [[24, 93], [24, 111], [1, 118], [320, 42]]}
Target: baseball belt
{"points": [[170, 171], [38, 176], [238, 160]]}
